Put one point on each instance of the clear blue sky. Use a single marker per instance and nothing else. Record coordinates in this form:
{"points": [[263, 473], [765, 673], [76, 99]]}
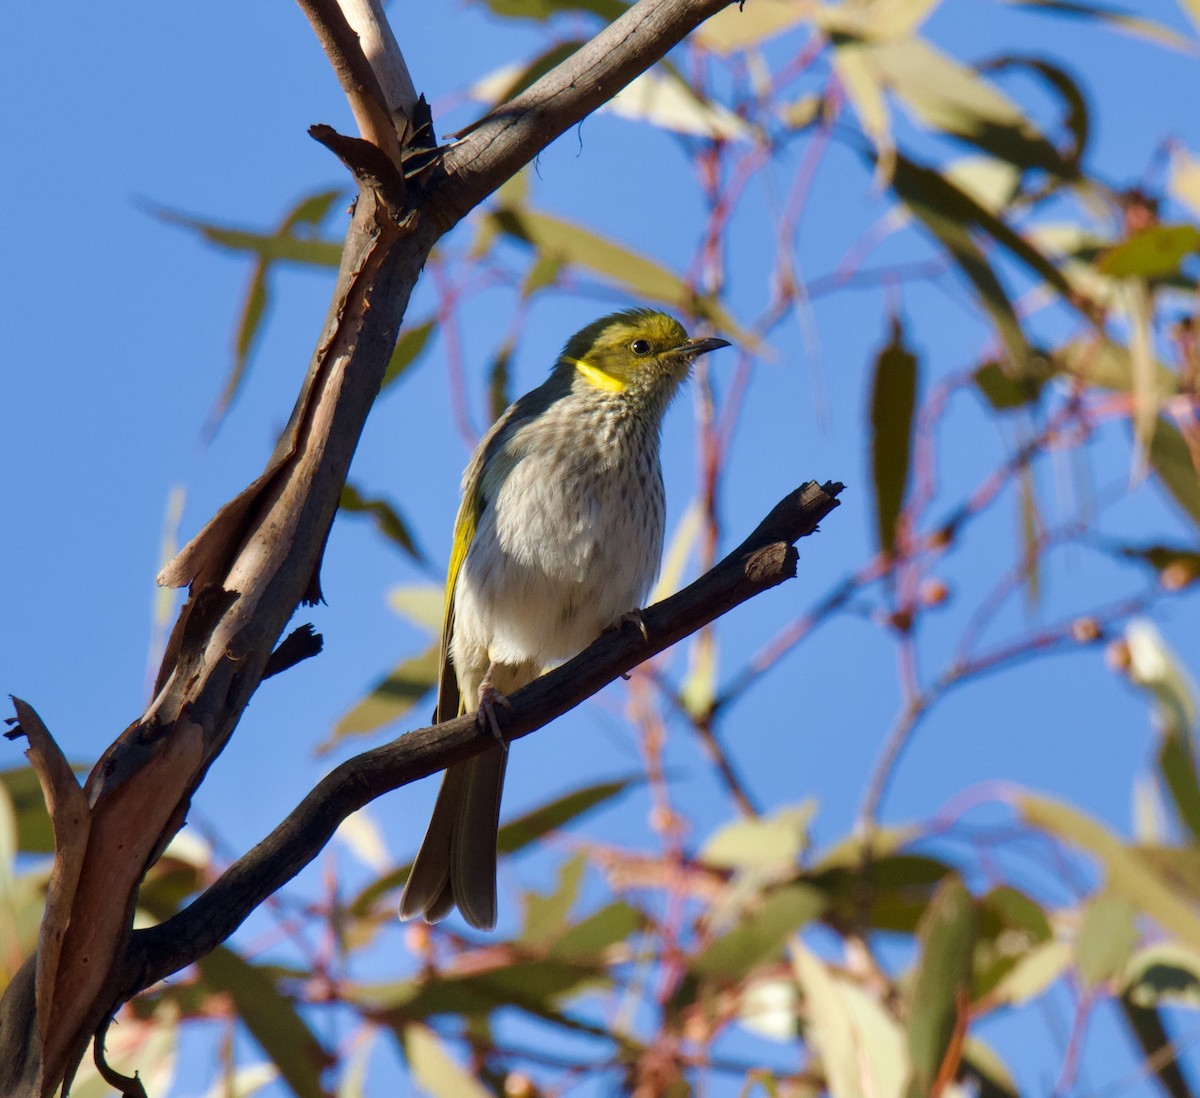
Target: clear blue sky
{"points": [[119, 332]]}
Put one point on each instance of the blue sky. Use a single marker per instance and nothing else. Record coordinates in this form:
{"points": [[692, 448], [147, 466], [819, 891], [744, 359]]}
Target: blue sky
{"points": [[120, 332]]}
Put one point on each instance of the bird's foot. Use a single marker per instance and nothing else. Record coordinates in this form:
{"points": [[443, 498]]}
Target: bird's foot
{"points": [[631, 617], [489, 698]]}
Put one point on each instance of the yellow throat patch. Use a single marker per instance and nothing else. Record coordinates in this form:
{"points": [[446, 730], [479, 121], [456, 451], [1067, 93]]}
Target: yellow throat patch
{"points": [[595, 376]]}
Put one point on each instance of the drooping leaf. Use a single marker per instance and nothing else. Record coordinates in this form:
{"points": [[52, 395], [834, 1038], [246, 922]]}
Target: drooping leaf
{"points": [[591, 936], [641, 277], [1106, 939], [948, 96], [901, 886], [955, 237], [1032, 974], [1156, 668], [527, 829], [1010, 925], [1030, 525], [1129, 873], [862, 1052], [1116, 17], [35, 835], [1164, 973], [893, 409], [434, 1070], [987, 1071], [665, 100], [271, 1017], [1108, 365], [772, 842], [1075, 106], [390, 699], [272, 247], [513, 836], [941, 989], [1172, 461], [388, 520], [546, 916], [411, 344], [541, 10], [760, 935], [1146, 1025], [1006, 389]]}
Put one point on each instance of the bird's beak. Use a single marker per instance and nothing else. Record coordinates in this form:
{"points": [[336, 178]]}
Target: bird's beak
{"points": [[702, 346]]}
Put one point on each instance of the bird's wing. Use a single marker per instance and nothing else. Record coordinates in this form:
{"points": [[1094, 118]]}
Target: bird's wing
{"points": [[490, 457]]}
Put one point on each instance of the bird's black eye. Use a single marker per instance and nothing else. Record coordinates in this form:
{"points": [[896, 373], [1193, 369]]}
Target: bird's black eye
{"points": [[640, 347]]}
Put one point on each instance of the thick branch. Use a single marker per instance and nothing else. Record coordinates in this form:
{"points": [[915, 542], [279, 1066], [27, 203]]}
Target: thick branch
{"points": [[259, 557], [512, 135], [766, 558]]}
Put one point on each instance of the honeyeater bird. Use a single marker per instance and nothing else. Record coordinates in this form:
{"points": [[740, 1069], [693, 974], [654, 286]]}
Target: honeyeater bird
{"points": [[559, 536]]}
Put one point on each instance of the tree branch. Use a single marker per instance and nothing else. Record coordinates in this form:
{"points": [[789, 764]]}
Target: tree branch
{"points": [[766, 558], [259, 557]]}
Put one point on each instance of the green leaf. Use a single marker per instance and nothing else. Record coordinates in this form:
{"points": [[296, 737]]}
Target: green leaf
{"points": [[941, 990], [35, 835], [893, 408], [1108, 365], [588, 939], [541, 10], [901, 886], [527, 829], [1164, 973], [981, 1065], [667, 101], [534, 986], [390, 699], [422, 604], [945, 95], [388, 520], [520, 832], [433, 1069], [1006, 390], [1032, 974], [1031, 536], [1010, 926], [1155, 668], [641, 277], [1152, 253], [410, 345], [760, 935], [772, 842], [1129, 872], [861, 1050], [950, 213], [271, 1017], [1106, 939], [546, 916], [1075, 112], [282, 245], [1120, 20], [1147, 1027], [1171, 459]]}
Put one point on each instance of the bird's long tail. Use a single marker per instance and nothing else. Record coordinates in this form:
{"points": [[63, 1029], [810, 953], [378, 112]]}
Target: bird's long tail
{"points": [[456, 864]]}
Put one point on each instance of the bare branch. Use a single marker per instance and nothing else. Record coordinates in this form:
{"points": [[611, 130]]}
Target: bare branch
{"points": [[358, 79], [765, 559], [382, 52]]}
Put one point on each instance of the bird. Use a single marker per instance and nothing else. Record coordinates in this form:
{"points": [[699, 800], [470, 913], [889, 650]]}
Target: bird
{"points": [[558, 537]]}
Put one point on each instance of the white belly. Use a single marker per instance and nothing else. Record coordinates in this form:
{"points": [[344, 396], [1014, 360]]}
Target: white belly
{"points": [[560, 554]]}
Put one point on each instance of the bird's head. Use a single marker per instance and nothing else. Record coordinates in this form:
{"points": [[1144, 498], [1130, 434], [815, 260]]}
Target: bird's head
{"points": [[640, 352]]}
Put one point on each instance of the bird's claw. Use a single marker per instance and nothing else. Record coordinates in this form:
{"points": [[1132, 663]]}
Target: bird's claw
{"points": [[485, 717], [631, 617]]}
